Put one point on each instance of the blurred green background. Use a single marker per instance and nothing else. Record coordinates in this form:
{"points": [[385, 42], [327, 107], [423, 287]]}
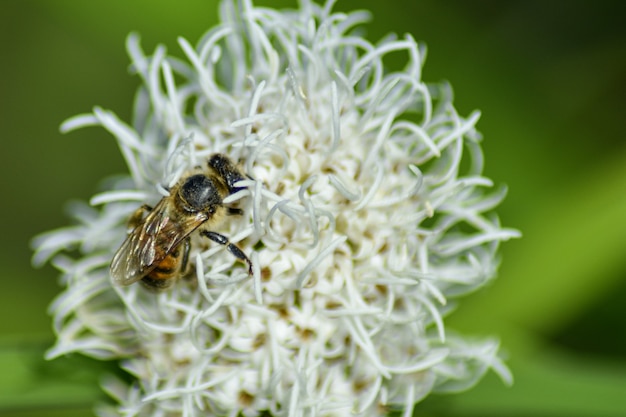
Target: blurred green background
{"points": [[550, 79]]}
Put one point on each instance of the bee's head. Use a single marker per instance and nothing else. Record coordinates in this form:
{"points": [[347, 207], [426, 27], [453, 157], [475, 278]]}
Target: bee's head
{"points": [[198, 193], [227, 170]]}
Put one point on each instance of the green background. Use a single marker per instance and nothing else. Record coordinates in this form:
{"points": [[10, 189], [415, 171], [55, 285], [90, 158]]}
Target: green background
{"points": [[550, 79]]}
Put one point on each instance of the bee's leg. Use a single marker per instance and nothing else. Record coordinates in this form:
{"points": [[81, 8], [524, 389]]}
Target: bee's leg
{"points": [[223, 240], [137, 217], [187, 271], [232, 211], [185, 261]]}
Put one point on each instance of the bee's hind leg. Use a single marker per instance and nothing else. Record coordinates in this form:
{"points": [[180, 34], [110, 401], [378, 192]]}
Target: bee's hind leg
{"points": [[223, 240]]}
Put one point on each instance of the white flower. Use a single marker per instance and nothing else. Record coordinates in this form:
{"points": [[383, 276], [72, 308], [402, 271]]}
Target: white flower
{"points": [[360, 220]]}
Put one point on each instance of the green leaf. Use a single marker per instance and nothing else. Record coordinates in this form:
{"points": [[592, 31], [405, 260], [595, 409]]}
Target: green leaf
{"points": [[548, 383], [572, 248], [29, 382]]}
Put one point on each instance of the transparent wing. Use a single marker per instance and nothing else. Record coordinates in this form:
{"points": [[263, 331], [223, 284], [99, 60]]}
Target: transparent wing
{"points": [[150, 242]]}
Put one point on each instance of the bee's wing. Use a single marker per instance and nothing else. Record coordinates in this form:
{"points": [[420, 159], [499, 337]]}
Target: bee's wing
{"points": [[150, 242]]}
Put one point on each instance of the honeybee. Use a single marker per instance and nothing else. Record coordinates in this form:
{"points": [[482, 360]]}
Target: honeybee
{"points": [[156, 251]]}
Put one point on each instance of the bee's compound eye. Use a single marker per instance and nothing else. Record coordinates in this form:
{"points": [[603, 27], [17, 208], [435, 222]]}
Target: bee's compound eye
{"points": [[199, 192]]}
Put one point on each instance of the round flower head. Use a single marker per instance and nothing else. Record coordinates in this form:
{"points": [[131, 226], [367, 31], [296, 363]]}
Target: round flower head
{"points": [[359, 217]]}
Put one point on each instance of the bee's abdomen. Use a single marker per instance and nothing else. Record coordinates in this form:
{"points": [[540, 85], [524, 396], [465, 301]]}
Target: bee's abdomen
{"points": [[167, 268], [166, 272]]}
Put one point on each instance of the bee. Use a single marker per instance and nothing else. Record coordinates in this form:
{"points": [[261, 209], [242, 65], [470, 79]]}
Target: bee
{"points": [[157, 249]]}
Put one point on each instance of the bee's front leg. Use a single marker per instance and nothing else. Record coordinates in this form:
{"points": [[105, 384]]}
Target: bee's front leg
{"points": [[223, 240]]}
